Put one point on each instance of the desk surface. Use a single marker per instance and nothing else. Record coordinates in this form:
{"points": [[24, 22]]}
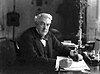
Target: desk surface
{"points": [[95, 69], [15, 70]]}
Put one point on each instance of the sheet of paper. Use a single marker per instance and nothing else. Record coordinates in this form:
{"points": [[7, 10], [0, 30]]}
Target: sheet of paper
{"points": [[76, 66], [69, 44]]}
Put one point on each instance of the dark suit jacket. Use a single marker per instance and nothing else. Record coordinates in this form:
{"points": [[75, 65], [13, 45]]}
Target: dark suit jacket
{"points": [[32, 51]]}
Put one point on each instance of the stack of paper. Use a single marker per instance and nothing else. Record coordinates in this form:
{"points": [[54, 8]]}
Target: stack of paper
{"points": [[76, 66], [69, 44], [81, 65]]}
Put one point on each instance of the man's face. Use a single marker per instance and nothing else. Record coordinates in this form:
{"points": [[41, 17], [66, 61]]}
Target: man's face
{"points": [[43, 28]]}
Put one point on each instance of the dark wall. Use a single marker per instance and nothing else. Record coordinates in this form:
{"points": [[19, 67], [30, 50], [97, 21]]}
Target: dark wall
{"points": [[69, 11]]}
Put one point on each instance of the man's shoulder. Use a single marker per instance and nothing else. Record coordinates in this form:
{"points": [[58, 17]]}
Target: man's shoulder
{"points": [[30, 29], [28, 32]]}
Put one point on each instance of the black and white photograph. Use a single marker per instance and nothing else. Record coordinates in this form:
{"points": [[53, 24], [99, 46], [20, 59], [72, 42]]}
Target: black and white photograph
{"points": [[49, 36]]}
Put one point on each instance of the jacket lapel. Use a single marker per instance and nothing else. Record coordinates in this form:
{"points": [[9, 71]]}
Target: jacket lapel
{"points": [[39, 46], [50, 46]]}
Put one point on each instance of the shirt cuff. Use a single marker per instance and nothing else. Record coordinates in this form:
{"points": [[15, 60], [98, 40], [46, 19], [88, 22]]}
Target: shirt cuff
{"points": [[57, 65], [59, 58]]}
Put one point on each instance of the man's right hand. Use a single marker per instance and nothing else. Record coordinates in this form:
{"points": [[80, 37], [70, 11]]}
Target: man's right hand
{"points": [[64, 63]]}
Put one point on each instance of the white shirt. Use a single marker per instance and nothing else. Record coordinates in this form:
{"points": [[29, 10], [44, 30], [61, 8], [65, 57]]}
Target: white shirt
{"points": [[43, 42]]}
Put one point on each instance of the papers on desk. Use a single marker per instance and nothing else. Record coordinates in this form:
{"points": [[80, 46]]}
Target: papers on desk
{"points": [[76, 66], [69, 44]]}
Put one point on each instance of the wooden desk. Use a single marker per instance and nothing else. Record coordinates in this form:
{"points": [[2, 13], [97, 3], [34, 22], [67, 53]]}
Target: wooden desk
{"points": [[30, 70], [73, 72], [93, 70]]}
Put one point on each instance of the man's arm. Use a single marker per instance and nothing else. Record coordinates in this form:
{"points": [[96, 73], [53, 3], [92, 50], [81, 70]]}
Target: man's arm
{"points": [[64, 50], [58, 46]]}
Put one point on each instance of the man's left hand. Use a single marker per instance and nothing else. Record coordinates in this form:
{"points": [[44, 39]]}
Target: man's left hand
{"points": [[75, 56]]}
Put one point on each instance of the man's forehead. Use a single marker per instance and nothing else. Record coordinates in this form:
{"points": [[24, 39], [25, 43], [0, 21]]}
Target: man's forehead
{"points": [[47, 21]]}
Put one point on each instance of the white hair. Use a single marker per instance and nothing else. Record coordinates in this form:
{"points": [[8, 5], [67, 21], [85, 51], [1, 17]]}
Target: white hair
{"points": [[42, 16]]}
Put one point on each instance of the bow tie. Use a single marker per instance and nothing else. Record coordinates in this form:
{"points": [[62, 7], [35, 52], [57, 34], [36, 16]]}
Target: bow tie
{"points": [[44, 38]]}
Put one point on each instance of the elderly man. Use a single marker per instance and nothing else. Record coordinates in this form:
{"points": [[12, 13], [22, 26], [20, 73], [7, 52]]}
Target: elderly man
{"points": [[38, 43]]}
